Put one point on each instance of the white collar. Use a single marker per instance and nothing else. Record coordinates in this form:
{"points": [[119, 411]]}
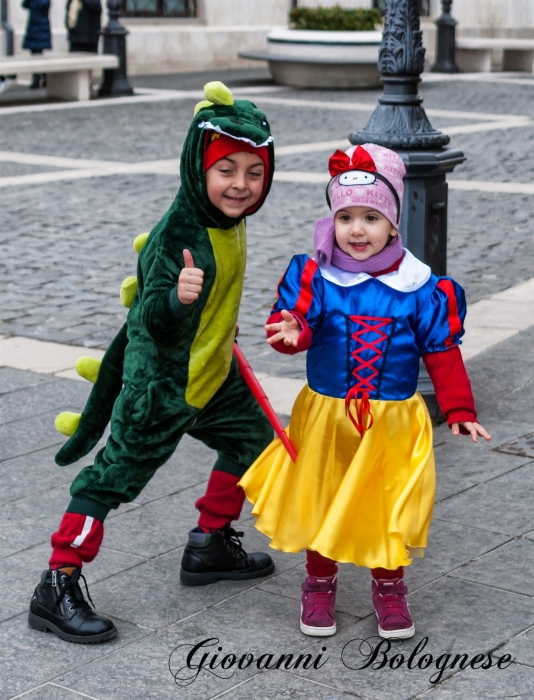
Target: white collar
{"points": [[411, 275]]}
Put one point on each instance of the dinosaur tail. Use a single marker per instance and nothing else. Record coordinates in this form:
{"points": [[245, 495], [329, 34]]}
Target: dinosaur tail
{"points": [[86, 430]]}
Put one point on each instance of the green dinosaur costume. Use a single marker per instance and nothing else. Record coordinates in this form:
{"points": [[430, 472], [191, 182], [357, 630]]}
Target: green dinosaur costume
{"points": [[169, 370]]}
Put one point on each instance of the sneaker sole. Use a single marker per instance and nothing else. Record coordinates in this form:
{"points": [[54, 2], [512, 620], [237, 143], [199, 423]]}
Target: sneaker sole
{"points": [[42, 625], [188, 578], [317, 631], [397, 634]]}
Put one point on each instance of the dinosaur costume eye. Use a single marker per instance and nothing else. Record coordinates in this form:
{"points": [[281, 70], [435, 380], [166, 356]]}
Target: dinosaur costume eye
{"points": [[357, 177]]}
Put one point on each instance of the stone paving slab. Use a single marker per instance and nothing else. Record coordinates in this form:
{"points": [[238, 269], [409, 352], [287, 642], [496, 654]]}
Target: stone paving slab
{"points": [[282, 685], [521, 648], [509, 568], [494, 684], [503, 504], [31, 657], [11, 379]]}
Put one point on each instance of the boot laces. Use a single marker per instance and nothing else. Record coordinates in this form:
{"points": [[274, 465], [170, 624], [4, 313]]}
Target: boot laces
{"points": [[71, 591], [231, 538]]}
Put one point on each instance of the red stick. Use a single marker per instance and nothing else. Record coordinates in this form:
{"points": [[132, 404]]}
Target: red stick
{"points": [[260, 396]]}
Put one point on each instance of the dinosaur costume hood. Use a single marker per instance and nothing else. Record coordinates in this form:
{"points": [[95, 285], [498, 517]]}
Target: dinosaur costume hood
{"points": [[170, 359], [239, 119]]}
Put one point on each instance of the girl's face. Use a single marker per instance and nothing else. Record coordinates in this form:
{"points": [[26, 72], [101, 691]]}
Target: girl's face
{"points": [[362, 232]]}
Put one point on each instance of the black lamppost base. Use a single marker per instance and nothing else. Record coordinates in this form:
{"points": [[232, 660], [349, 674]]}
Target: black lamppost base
{"points": [[115, 81], [424, 216], [114, 86]]}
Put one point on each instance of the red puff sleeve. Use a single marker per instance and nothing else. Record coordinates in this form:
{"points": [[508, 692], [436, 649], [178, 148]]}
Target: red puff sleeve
{"points": [[451, 383]]}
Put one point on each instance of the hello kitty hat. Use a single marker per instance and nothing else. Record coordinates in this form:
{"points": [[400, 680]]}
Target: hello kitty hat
{"points": [[367, 176]]}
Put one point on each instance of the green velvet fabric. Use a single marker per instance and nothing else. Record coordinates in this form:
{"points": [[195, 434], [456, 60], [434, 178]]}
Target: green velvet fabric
{"points": [[144, 375], [232, 423]]}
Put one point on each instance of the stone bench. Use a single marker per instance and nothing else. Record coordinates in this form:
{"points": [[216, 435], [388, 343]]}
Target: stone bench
{"points": [[68, 75], [473, 55]]}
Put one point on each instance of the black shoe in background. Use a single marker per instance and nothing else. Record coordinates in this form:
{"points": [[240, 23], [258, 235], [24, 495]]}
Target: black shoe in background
{"points": [[211, 556], [58, 606]]}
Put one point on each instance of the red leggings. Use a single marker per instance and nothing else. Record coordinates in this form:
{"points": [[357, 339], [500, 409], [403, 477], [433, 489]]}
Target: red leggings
{"points": [[79, 537], [317, 565]]}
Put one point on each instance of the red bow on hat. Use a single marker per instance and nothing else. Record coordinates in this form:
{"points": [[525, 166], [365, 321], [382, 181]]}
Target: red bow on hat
{"points": [[361, 160]]}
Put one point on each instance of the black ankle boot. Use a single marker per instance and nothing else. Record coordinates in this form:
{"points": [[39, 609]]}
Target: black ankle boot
{"points": [[210, 556], [58, 606]]}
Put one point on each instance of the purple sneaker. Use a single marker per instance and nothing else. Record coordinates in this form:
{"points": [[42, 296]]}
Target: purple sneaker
{"points": [[394, 619], [317, 606]]}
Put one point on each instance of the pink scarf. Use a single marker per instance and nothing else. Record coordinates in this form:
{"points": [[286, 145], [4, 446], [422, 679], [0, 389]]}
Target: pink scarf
{"points": [[328, 252]]}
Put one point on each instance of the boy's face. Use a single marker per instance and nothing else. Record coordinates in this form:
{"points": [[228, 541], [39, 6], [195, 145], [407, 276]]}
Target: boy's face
{"points": [[235, 183], [362, 232]]}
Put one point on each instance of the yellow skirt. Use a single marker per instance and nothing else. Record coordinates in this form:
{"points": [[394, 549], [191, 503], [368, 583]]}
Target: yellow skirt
{"points": [[363, 500]]}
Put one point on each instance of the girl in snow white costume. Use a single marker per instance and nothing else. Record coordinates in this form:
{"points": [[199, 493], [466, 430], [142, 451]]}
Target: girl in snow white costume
{"points": [[362, 487]]}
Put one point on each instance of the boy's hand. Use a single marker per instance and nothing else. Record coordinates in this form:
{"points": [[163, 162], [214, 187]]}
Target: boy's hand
{"points": [[475, 429], [190, 280], [287, 330]]}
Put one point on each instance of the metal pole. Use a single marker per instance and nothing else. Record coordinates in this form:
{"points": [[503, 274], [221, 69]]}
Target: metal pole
{"points": [[8, 29], [445, 41], [115, 81], [399, 122]]}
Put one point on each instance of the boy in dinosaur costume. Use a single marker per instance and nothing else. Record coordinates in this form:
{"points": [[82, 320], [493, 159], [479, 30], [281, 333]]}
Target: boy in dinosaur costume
{"points": [[170, 371]]}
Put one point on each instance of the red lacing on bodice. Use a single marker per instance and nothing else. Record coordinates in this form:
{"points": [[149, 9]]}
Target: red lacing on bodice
{"points": [[362, 419]]}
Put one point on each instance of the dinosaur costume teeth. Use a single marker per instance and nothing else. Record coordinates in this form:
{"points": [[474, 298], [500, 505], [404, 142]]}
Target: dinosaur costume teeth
{"points": [[169, 370]]}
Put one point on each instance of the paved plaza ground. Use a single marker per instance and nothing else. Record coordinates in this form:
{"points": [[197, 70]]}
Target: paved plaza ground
{"points": [[77, 184]]}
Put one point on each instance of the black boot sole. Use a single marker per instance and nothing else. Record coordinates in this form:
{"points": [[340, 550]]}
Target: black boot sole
{"points": [[187, 578], [46, 626]]}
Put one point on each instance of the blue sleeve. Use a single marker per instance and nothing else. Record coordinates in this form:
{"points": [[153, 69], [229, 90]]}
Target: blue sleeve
{"points": [[440, 322], [301, 290]]}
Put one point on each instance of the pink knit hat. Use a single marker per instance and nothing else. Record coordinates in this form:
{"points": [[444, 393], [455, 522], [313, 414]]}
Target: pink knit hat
{"points": [[367, 176]]}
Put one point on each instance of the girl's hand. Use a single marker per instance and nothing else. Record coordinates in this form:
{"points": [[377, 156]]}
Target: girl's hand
{"points": [[190, 280], [287, 330], [475, 429]]}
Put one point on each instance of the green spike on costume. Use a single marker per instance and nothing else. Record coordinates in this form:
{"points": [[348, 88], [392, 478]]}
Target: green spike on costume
{"points": [[88, 368], [170, 369], [67, 423], [139, 242], [128, 291]]}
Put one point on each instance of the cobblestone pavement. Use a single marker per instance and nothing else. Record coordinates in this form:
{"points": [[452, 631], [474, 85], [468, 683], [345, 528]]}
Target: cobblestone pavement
{"points": [[88, 224], [79, 223], [66, 246]]}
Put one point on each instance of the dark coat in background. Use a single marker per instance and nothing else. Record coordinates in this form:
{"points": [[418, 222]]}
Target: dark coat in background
{"points": [[82, 20], [37, 35]]}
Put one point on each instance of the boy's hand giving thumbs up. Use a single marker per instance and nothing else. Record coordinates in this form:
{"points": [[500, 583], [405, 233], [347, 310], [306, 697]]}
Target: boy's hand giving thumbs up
{"points": [[190, 280]]}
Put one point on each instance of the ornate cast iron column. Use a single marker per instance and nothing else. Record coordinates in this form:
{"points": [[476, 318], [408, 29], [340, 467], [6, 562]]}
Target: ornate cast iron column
{"points": [[399, 122], [115, 81], [445, 41]]}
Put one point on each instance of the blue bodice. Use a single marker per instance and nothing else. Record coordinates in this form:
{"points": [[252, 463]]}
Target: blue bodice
{"points": [[370, 332]]}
